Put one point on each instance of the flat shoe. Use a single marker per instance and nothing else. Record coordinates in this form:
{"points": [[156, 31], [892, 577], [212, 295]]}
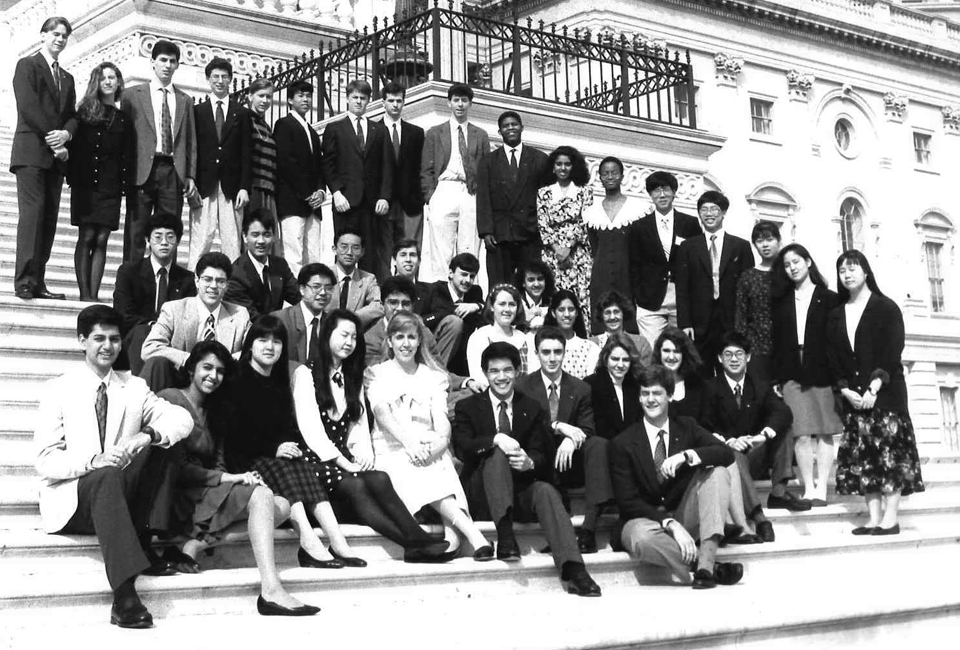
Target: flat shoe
{"points": [[818, 503], [352, 562], [864, 530], [307, 561], [745, 539], [483, 554], [267, 608], [893, 530], [180, 561]]}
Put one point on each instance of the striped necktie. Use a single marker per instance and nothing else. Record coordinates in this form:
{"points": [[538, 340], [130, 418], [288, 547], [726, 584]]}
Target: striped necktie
{"points": [[210, 329]]}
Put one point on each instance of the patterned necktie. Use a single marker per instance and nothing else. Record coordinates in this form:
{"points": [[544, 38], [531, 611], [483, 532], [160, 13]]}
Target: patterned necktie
{"points": [[56, 80], [166, 126], [209, 329], [396, 143], [462, 146], [218, 118], [101, 409], [345, 292], [360, 142], [715, 266], [737, 394], [503, 422], [161, 288], [660, 454], [666, 238], [554, 401]]}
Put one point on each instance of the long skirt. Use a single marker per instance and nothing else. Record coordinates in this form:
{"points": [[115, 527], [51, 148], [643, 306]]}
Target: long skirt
{"points": [[878, 453]]}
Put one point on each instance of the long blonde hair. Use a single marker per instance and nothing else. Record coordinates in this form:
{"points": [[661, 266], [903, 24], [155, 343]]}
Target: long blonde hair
{"points": [[401, 321]]}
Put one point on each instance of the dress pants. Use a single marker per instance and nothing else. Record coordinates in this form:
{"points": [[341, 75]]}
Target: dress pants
{"points": [[301, 241], [364, 219], [776, 455], [216, 212], [161, 193], [130, 352], [451, 228], [650, 324], [449, 338], [506, 257], [38, 199], [590, 469], [159, 373], [708, 345], [701, 513]]}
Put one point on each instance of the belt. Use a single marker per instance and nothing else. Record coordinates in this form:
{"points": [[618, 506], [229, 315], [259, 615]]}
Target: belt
{"points": [[162, 157]]}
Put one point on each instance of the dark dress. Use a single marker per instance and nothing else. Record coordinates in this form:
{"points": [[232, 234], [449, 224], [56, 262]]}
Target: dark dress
{"points": [[753, 318], [610, 243], [328, 471], [100, 169]]}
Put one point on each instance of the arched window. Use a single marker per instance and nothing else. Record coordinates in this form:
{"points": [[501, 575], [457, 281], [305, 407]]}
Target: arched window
{"points": [[936, 233], [773, 202], [851, 225]]}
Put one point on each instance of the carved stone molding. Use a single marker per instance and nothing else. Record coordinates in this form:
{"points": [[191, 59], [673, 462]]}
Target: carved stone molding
{"points": [[951, 120], [728, 68], [894, 106], [689, 186], [245, 64], [799, 84]]}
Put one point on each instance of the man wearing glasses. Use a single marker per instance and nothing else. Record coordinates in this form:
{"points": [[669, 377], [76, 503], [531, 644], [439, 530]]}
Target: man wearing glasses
{"points": [[183, 323], [316, 282], [355, 290]]}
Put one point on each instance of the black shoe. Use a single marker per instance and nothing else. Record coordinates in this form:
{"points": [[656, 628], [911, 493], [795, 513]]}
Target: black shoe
{"points": [[788, 502], [587, 541], [130, 614], [744, 540], [353, 562], [483, 554], [25, 293], [266, 608], [893, 530], [307, 561], [158, 566], [433, 554], [765, 532], [581, 584], [864, 530], [818, 503], [48, 295], [727, 573], [180, 561], [508, 550], [703, 579]]}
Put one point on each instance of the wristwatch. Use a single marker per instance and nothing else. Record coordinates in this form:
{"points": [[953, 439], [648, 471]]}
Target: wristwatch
{"points": [[154, 436]]}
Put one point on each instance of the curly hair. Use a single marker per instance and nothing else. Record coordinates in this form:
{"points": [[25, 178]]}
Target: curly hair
{"points": [[579, 172], [620, 340], [608, 299], [690, 362], [536, 267], [91, 109]]}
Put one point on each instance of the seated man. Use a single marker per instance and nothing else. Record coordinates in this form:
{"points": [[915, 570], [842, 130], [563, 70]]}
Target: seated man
{"points": [[184, 322], [261, 282], [453, 309], [315, 283], [97, 433], [581, 458], [143, 285], [749, 417], [669, 477], [508, 467], [406, 264], [355, 289]]}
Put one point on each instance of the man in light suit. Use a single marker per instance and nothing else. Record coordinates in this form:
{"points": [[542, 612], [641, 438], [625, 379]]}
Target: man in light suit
{"points": [[182, 323], [448, 177], [261, 282], [162, 118], [355, 290], [316, 283], [98, 435], [46, 101]]}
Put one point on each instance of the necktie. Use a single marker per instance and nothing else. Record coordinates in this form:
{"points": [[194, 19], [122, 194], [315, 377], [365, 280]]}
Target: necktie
{"points": [[513, 159], [101, 408], [737, 394], [554, 401], [338, 379], [345, 292], [503, 422], [56, 80], [396, 143], [666, 237], [218, 118], [209, 329], [166, 126], [314, 337], [462, 146], [360, 133], [161, 288], [715, 266], [660, 454], [265, 277]]}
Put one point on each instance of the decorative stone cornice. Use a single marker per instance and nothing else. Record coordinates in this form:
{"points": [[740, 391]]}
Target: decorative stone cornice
{"points": [[951, 120], [728, 68], [799, 84], [894, 106], [689, 186]]}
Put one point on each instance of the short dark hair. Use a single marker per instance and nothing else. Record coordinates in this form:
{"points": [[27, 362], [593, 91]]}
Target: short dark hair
{"points": [[269, 325], [734, 340], [466, 261], [579, 172], [214, 260], [299, 87], [536, 267], [499, 350], [611, 159], [53, 22], [103, 315], [263, 215], [393, 88], [348, 230], [164, 220], [656, 375], [165, 47], [312, 269], [460, 90], [504, 115], [218, 63], [396, 284], [519, 318], [608, 299], [548, 333], [361, 86], [763, 229], [712, 196], [260, 83], [661, 179], [405, 243]]}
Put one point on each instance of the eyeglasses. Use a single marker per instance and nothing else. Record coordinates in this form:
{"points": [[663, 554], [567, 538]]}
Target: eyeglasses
{"points": [[320, 288], [729, 355], [170, 238], [349, 248], [220, 282], [662, 191], [712, 212]]}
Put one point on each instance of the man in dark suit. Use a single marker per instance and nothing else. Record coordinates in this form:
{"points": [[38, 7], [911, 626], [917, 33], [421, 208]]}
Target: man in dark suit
{"points": [[358, 167], [708, 268], [507, 183], [406, 264], [162, 118], [654, 243], [315, 282], [672, 486], [143, 286], [224, 142], [503, 438], [581, 458], [261, 282], [405, 218], [299, 179], [750, 418], [453, 309], [46, 109]]}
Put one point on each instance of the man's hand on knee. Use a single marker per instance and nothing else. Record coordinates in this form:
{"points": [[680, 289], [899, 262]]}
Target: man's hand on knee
{"points": [[688, 546]]}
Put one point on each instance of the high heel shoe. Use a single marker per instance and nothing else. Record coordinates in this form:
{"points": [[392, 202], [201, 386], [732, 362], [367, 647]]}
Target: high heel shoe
{"points": [[353, 562], [267, 608], [307, 561]]}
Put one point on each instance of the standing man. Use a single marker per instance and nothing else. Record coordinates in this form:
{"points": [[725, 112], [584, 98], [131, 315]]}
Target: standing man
{"points": [[654, 243], [162, 118], [358, 167], [303, 320], [507, 183], [224, 158], [46, 106], [448, 177]]}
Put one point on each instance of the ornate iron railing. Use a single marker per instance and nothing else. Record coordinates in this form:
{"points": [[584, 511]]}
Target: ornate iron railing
{"points": [[548, 63]]}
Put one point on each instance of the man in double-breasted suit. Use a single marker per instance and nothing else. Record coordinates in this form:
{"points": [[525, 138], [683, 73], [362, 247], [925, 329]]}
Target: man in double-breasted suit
{"points": [[46, 107], [315, 283], [507, 183], [355, 290], [261, 282], [224, 142], [453, 308], [166, 147], [452, 152]]}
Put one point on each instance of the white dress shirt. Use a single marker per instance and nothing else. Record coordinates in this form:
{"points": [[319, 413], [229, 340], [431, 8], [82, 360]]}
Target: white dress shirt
{"points": [[803, 296], [306, 128], [665, 230], [495, 401], [454, 169], [203, 313], [156, 100]]}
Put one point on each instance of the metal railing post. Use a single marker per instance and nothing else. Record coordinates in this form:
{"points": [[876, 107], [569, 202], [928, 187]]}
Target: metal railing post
{"points": [[691, 95], [517, 77], [624, 80], [435, 17]]}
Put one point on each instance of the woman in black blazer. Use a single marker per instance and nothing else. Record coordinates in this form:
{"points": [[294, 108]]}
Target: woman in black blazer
{"points": [[802, 302], [878, 451], [613, 387], [676, 352]]}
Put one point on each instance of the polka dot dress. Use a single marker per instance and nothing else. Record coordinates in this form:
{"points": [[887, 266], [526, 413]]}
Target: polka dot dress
{"points": [[327, 471]]}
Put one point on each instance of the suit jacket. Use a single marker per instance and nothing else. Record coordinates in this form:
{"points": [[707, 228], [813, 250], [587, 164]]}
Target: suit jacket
{"points": [[650, 269], [39, 112], [694, 402], [297, 331], [406, 167], [507, 201], [606, 407], [436, 155], [67, 437], [246, 289], [103, 156], [814, 369], [227, 158], [438, 304], [134, 294], [475, 425], [175, 332], [363, 177], [299, 171], [695, 282], [760, 407], [634, 476], [363, 299], [138, 104], [575, 405]]}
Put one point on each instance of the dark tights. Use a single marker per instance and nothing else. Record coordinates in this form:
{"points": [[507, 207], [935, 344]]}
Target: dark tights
{"points": [[374, 502], [89, 259]]}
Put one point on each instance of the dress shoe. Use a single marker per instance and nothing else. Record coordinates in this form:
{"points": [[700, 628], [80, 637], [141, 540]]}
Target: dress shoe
{"points": [[703, 579], [180, 561], [158, 566], [44, 293], [893, 530], [818, 503], [727, 573], [432, 554], [25, 293], [307, 561], [788, 502], [581, 584], [130, 613], [483, 554], [745, 540], [587, 541], [352, 562], [765, 531], [864, 530], [508, 550], [266, 608]]}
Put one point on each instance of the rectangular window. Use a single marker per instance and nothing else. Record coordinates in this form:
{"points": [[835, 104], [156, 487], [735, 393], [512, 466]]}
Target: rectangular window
{"points": [[761, 116], [681, 103], [948, 403], [921, 148], [933, 251]]}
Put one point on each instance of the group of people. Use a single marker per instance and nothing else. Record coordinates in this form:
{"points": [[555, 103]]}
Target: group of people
{"points": [[643, 357]]}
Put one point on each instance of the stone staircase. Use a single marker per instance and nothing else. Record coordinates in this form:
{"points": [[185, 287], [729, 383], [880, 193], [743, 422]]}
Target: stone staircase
{"points": [[815, 582]]}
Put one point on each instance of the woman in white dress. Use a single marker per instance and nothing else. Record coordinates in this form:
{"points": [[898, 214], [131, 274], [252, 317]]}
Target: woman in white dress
{"points": [[507, 323]]}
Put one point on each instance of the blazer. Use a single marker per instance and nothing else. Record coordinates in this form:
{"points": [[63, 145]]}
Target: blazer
{"points": [[39, 112], [813, 369], [650, 269], [475, 425], [297, 331], [246, 289], [877, 350], [406, 167], [67, 437], [634, 476], [363, 177], [175, 332], [226, 159], [363, 299], [103, 156], [507, 202], [138, 104], [134, 293], [695, 282], [438, 303], [575, 405], [606, 406], [436, 155], [694, 402], [760, 407], [299, 171]]}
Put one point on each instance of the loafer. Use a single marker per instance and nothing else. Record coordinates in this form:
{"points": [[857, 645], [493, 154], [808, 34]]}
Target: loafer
{"points": [[432, 554], [158, 566], [586, 541], [483, 554], [25, 293], [818, 503], [267, 608], [48, 295], [352, 562], [745, 539], [765, 531], [893, 530], [788, 501], [864, 530], [130, 614], [703, 579], [508, 550], [307, 561], [581, 584], [727, 573], [180, 561]]}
